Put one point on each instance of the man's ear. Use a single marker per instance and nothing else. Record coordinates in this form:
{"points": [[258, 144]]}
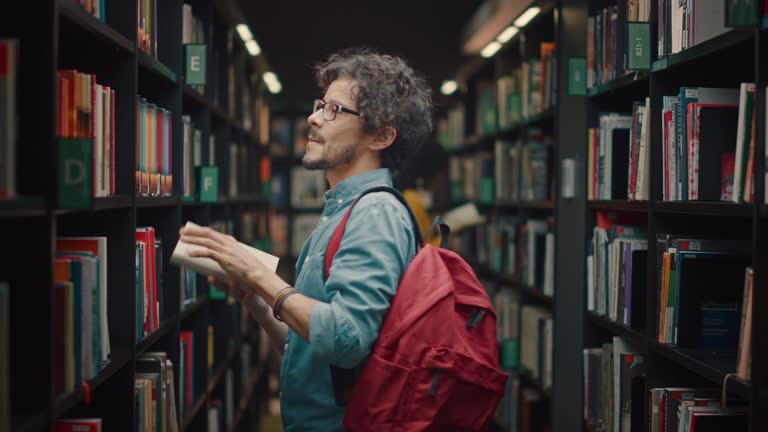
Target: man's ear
{"points": [[384, 139]]}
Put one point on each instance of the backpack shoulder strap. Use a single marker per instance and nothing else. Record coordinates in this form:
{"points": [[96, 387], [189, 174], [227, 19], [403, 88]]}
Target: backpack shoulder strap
{"points": [[338, 233], [343, 379]]}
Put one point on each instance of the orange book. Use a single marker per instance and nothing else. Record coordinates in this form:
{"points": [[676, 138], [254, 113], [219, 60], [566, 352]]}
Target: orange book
{"points": [[266, 169], [70, 102], [61, 270]]}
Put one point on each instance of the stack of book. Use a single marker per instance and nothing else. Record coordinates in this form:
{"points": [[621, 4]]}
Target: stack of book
{"points": [[154, 150]]}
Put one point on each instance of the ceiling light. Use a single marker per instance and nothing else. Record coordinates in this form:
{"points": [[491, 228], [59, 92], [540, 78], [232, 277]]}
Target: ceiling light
{"points": [[507, 34], [272, 82], [527, 16], [244, 32], [448, 87], [253, 47], [490, 49]]}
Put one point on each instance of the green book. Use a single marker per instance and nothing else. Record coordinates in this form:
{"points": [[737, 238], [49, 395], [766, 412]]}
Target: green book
{"points": [[75, 173]]}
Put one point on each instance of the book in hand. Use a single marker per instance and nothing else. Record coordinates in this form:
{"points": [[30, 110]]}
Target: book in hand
{"points": [[181, 257]]}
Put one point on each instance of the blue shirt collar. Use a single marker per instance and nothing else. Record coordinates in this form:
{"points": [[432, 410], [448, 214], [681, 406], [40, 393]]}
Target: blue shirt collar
{"points": [[353, 186]]}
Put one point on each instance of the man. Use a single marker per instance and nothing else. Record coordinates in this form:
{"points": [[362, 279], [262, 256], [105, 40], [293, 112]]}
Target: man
{"points": [[374, 114]]}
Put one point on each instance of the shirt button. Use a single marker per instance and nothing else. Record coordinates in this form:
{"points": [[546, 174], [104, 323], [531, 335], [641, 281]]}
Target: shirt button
{"points": [[306, 260], [341, 200], [285, 348], [325, 218]]}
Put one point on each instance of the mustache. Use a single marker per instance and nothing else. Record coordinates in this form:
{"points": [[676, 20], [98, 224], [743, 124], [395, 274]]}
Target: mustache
{"points": [[314, 135]]}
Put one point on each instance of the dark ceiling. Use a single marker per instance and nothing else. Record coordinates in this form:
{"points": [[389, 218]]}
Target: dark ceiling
{"points": [[295, 35]]}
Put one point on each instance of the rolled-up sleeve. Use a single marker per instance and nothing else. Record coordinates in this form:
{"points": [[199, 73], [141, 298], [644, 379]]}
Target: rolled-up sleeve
{"points": [[377, 245]]}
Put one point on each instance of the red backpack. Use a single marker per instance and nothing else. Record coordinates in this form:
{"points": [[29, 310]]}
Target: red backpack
{"points": [[434, 366]]}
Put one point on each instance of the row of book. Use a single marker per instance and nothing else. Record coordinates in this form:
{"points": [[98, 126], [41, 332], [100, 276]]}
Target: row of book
{"points": [[8, 127], [193, 32], [149, 282], [687, 23], [154, 149], [155, 393], [147, 26], [523, 169], [606, 44], [617, 258], [306, 190], [86, 111], [5, 361], [192, 155], [613, 375], [529, 90], [471, 178], [705, 295], [618, 165], [97, 8], [522, 248], [80, 311], [690, 409], [536, 327], [288, 136], [523, 408], [451, 129], [709, 144], [156, 390]]}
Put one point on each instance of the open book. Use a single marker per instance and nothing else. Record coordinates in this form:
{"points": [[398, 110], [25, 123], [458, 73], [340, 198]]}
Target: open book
{"points": [[208, 266]]}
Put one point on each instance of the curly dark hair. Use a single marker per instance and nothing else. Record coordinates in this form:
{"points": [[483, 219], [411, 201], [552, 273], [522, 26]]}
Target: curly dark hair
{"points": [[389, 93]]}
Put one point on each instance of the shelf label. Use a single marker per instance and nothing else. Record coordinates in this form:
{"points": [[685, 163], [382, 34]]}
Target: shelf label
{"points": [[196, 61], [639, 43], [75, 173], [577, 76], [209, 184]]}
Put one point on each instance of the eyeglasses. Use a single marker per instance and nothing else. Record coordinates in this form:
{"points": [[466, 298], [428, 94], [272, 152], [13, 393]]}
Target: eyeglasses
{"points": [[330, 109]]}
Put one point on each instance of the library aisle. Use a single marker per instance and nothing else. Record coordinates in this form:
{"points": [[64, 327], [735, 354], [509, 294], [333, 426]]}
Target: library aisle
{"points": [[601, 165]]}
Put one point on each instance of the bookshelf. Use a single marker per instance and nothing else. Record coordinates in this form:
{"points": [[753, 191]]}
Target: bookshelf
{"points": [[60, 34], [723, 61], [734, 57], [487, 164]]}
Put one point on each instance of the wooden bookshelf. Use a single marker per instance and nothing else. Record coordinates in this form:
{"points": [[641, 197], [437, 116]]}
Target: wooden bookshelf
{"points": [[60, 34]]}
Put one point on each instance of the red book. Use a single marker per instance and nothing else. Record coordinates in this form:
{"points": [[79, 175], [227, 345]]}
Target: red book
{"points": [[187, 338], [147, 236], [78, 425]]}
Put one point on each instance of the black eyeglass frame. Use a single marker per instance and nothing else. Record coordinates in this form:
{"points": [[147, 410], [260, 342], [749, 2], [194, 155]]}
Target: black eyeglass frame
{"points": [[320, 105]]}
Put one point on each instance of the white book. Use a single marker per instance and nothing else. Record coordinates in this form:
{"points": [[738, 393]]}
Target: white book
{"points": [[181, 257]]}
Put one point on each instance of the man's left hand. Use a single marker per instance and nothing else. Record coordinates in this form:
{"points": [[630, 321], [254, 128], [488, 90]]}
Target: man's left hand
{"points": [[244, 268]]}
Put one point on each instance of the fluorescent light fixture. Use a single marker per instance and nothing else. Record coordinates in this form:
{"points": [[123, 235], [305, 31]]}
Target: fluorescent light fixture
{"points": [[244, 32], [275, 89], [527, 16], [253, 47], [448, 87], [490, 49], [272, 82], [507, 34]]}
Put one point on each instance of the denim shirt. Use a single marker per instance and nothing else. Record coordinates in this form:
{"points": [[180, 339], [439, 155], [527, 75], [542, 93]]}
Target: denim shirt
{"points": [[377, 246]]}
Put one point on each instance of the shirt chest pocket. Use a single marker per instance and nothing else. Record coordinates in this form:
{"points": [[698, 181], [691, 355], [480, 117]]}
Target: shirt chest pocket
{"points": [[310, 281]]}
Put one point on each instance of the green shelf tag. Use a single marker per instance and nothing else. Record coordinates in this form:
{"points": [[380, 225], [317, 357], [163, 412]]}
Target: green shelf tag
{"points": [[195, 64], [577, 76], [639, 43], [75, 173], [208, 189]]}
